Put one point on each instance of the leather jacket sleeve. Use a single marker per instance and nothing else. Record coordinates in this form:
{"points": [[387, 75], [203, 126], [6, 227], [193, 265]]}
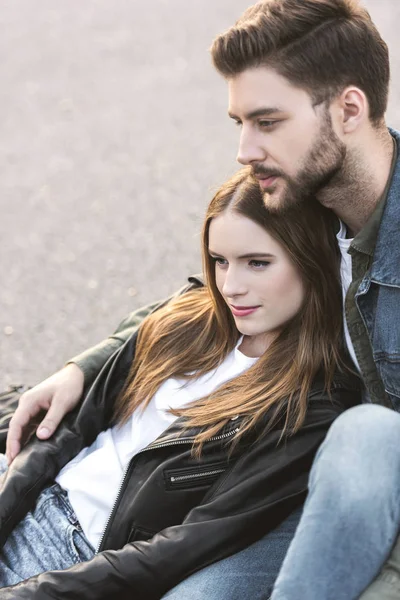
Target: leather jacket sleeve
{"points": [[263, 487]]}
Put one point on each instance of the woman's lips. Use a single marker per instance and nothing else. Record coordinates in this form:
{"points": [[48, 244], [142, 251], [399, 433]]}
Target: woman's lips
{"points": [[243, 311]]}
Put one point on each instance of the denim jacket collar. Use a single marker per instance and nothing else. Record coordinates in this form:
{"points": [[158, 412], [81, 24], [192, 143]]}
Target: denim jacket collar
{"points": [[386, 262]]}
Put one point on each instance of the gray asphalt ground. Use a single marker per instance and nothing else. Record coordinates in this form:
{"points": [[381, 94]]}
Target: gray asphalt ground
{"points": [[113, 134]]}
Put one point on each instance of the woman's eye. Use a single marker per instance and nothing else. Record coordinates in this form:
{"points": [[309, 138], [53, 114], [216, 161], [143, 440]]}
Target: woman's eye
{"points": [[258, 264], [221, 262]]}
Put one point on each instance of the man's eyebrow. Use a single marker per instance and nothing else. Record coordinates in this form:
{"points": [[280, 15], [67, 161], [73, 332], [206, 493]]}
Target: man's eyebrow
{"points": [[260, 112]]}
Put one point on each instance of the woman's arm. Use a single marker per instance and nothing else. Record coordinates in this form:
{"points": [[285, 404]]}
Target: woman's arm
{"points": [[264, 486]]}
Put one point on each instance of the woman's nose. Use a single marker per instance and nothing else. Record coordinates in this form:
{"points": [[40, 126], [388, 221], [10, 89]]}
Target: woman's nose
{"points": [[233, 284]]}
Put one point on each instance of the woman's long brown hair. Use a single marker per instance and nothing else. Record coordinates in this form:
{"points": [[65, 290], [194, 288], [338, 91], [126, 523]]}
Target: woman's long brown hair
{"points": [[193, 333]]}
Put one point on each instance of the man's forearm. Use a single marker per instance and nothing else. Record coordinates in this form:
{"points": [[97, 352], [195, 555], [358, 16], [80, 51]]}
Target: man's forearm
{"points": [[92, 360]]}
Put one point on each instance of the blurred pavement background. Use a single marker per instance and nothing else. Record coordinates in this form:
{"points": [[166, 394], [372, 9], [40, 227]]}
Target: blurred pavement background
{"points": [[113, 135]]}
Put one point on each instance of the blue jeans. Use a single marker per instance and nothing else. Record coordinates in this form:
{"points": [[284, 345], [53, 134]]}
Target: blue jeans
{"points": [[250, 573], [351, 517], [48, 538]]}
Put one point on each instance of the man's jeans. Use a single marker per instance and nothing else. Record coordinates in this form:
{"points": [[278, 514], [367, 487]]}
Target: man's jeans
{"points": [[348, 527], [352, 514], [247, 575]]}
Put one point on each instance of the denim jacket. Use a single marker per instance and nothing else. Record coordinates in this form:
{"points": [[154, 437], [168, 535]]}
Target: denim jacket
{"points": [[378, 296]]}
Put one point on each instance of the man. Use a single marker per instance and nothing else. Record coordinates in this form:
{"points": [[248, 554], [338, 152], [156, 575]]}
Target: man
{"points": [[308, 86]]}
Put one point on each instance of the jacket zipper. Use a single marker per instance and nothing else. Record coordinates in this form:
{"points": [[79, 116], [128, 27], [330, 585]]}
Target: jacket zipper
{"points": [[152, 447], [195, 475]]}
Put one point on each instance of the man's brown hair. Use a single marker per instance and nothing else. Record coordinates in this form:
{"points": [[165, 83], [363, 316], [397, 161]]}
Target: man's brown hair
{"points": [[321, 46]]}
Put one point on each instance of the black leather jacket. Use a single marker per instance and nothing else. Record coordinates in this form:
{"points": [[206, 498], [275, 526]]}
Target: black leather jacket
{"points": [[174, 515]]}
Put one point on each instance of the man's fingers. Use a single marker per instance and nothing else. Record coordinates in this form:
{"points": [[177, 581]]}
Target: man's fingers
{"points": [[13, 447], [23, 416], [52, 419], [57, 395], [46, 428], [44, 431], [13, 444]]}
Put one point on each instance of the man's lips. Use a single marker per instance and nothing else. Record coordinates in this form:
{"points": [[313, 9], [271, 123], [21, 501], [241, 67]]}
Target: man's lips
{"points": [[267, 182], [243, 311]]}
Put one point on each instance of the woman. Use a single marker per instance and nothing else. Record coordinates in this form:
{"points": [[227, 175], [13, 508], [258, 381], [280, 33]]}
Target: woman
{"points": [[207, 421]]}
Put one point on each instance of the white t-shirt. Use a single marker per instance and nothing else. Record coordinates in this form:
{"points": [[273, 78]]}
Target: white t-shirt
{"points": [[346, 277], [93, 477]]}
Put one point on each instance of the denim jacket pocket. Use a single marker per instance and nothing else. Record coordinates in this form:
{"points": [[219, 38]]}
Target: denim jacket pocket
{"points": [[389, 370], [386, 340]]}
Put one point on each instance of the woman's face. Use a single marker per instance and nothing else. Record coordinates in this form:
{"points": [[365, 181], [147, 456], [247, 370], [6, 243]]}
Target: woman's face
{"points": [[255, 276]]}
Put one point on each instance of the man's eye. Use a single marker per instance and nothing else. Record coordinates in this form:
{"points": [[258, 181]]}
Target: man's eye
{"points": [[267, 124], [238, 123]]}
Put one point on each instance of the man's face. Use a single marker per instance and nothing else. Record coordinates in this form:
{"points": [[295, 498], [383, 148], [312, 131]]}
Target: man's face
{"points": [[288, 142]]}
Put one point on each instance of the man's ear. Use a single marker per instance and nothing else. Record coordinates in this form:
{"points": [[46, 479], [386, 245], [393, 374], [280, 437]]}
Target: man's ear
{"points": [[351, 109]]}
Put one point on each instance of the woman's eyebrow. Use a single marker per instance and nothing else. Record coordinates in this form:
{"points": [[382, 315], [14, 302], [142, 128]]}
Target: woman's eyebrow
{"points": [[258, 254], [247, 255]]}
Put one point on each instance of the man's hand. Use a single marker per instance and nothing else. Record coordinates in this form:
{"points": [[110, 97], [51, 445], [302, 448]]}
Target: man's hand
{"points": [[56, 395]]}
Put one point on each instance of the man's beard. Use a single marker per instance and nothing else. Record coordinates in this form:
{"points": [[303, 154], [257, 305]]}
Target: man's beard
{"points": [[322, 168]]}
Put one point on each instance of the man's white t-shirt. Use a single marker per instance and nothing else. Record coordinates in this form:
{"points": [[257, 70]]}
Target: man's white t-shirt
{"points": [[346, 276], [93, 477]]}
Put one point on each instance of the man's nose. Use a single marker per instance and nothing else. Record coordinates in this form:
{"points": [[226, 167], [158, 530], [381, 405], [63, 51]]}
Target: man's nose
{"points": [[250, 148]]}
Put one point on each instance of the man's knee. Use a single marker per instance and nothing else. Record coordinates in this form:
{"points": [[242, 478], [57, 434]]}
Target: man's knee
{"points": [[365, 427], [361, 453]]}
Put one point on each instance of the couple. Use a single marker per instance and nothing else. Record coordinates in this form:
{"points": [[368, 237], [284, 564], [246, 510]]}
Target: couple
{"points": [[209, 414]]}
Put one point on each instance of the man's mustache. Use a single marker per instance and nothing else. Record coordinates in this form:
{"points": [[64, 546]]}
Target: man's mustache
{"points": [[258, 171]]}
